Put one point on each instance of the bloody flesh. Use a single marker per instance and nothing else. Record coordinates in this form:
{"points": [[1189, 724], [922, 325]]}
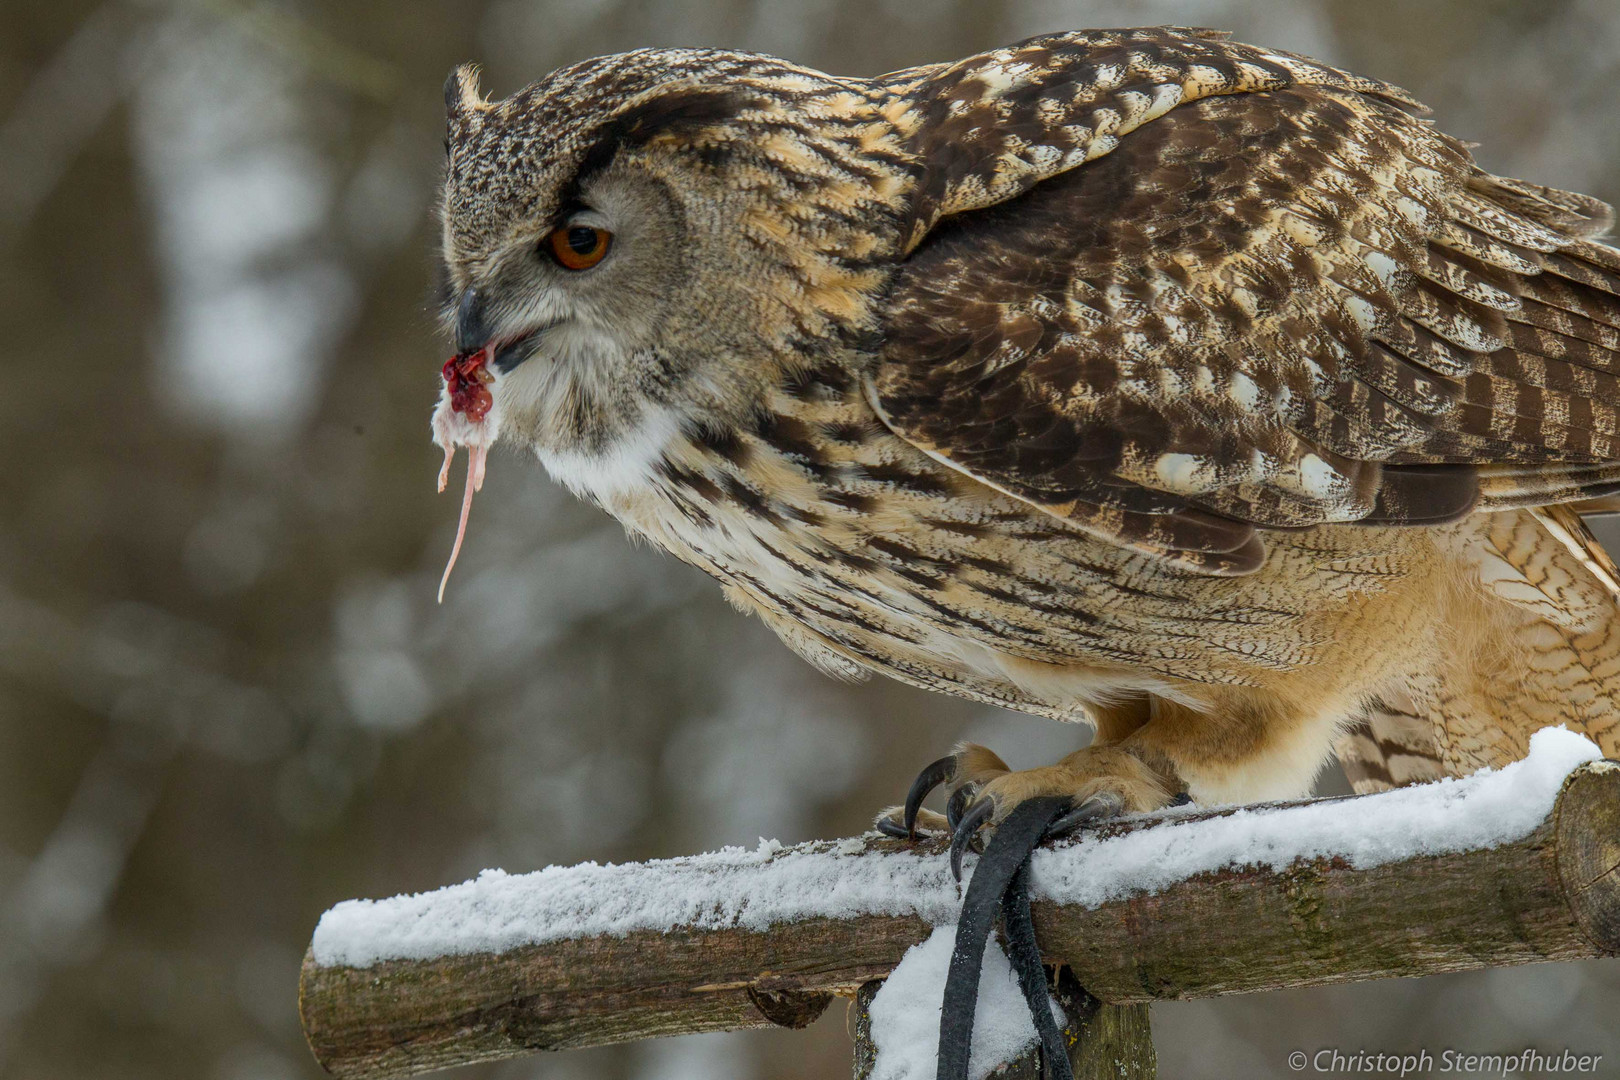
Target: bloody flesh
{"points": [[468, 381]]}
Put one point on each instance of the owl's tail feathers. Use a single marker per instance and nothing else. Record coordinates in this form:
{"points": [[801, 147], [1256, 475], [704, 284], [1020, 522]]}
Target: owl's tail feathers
{"points": [[1531, 640], [1517, 487]]}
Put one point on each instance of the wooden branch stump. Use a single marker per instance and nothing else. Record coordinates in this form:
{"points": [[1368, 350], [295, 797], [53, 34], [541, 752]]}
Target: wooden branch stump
{"points": [[1107, 1042], [1552, 894]]}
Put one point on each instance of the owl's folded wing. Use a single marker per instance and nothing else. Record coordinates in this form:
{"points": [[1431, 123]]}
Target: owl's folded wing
{"points": [[1260, 309]]}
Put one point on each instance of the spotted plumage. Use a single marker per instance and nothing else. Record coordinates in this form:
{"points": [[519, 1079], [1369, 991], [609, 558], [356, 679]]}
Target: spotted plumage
{"points": [[1193, 390]]}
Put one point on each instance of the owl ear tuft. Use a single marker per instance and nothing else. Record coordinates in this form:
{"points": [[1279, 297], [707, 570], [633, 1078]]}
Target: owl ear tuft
{"points": [[463, 100]]}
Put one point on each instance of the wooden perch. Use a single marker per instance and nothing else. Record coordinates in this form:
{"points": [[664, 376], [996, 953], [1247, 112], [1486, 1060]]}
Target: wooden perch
{"points": [[1553, 894]]}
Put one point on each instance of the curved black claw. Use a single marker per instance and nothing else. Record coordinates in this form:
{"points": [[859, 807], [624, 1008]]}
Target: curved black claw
{"points": [[1025, 956], [933, 775], [957, 805], [892, 828], [976, 815], [1008, 851], [1103, 805]]}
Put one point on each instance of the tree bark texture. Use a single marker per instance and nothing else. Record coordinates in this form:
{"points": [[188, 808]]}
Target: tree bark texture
{"points": [[1552, 895]]}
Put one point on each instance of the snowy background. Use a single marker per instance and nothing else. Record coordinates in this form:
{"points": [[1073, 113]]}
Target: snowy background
{"points": [[227, 700]]}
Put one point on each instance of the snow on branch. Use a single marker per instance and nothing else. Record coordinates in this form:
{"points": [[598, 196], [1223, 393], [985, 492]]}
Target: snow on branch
{"points": [[1504, 867]]}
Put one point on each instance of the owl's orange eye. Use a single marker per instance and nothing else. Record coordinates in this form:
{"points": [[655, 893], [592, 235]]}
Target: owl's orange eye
{"points": [[579, 247]]}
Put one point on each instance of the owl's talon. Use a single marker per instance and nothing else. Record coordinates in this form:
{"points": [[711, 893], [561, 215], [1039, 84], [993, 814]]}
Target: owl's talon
{"points": [[957, 806], [889, 827], [1089, 785], [933, 775], [928, 824], [967, 830], [1099, 807]]}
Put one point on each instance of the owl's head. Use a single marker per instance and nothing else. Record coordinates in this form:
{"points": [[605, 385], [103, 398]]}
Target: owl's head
{"points": [[643, 241]]}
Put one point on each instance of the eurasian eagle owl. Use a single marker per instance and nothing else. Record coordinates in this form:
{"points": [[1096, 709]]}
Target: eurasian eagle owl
{"points": [[1195, 391]]}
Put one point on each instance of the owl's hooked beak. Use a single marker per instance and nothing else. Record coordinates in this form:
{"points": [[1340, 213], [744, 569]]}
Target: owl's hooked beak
{"points": [[472, 324], [475, 333]]}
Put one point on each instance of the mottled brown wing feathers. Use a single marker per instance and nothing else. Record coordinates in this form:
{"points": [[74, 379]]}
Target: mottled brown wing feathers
{"points": [[990, 127], [1274, 304]]}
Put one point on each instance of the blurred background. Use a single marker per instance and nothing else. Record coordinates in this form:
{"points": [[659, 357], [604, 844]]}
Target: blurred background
{"points": [[227, 697]]}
